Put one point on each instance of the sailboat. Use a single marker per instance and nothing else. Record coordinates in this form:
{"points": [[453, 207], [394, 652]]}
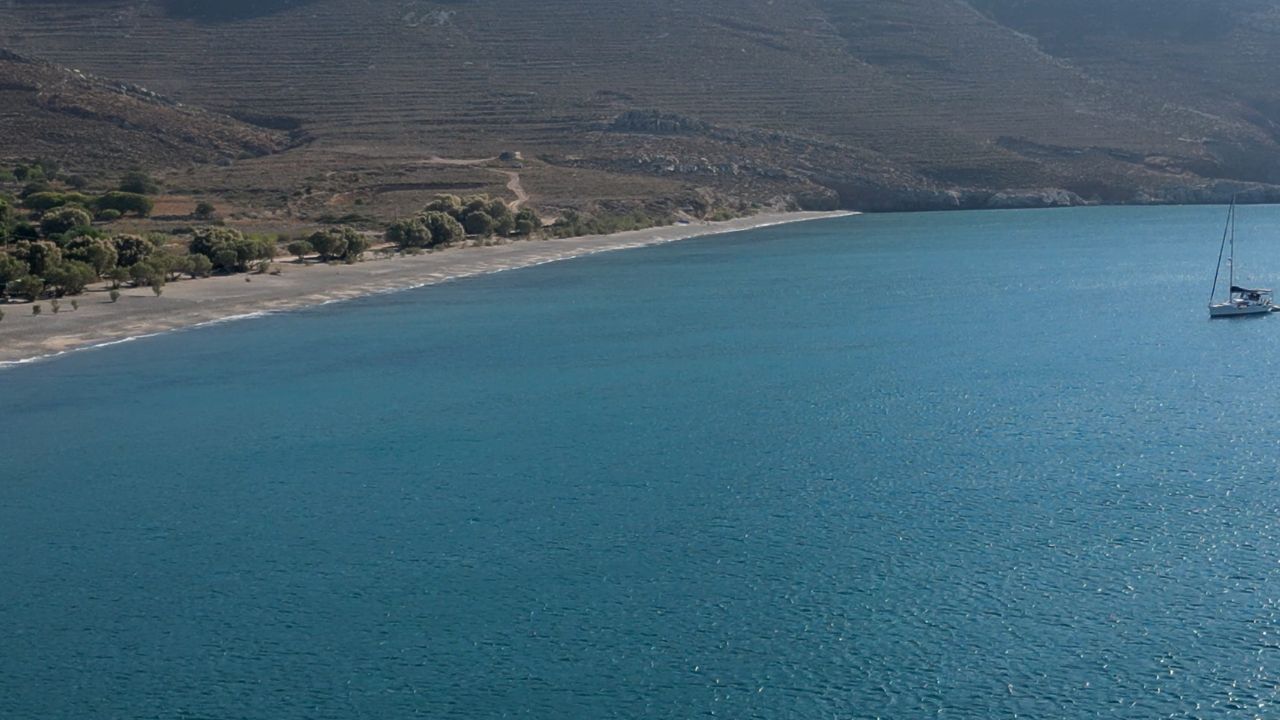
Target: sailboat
{"points": [[1240, 300]]}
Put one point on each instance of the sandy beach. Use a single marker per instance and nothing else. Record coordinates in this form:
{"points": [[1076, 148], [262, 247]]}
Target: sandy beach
{"points": [[25, 337]]}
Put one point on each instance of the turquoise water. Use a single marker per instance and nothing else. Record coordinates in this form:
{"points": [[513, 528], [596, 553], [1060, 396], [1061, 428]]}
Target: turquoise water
{"points": [[962, 465]]}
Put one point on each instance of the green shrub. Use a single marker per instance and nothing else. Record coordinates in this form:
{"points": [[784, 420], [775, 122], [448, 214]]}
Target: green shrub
{"points": [[69, 277], [448, 204], [29, 287], [117, 275], [139, 182], [527, 222], [479, 223], [109, 215], [205, 210], [38, 256], [28, 173], [408, 233], [330, 243], [357, 246], [132, 249], [197, 266], [61, 220], [125, 202], [444, 228], [42, 201], [229, 250], [98, 253], [114, 294], [573, 224], [11, 268], [340, 243], [498, 209], [37, 186], [504, 225], [24, 231], [300, 248], [169, 262], [148, 272]]}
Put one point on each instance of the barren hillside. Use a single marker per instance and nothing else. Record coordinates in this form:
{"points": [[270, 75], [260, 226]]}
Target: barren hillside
{"points": [[46, 110], [889, 104]]}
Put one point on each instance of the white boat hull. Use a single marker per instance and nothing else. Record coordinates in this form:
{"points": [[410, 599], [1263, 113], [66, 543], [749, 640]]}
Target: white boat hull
{"points": [[1233, 310]]}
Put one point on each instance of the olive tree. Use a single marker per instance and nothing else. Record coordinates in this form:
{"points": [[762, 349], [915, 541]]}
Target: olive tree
{"points": [[330, 243], [125, 202], [132, 249], [152, 271], [527, 222], [357, 246], [60, 220], [447, 204], [98, 253], [137, 181], [11, 268], [197, 266], [69, 277], [409, 233], [300, 248], [39, 256], [229, 250], [29, 287], [444, 228], [479, 223]]}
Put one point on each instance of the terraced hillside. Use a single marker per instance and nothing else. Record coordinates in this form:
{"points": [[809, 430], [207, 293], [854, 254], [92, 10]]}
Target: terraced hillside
{"points": [[880, 104], [46, 110]]}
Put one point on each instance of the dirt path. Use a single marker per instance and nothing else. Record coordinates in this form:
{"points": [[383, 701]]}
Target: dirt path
{"points": [[516, 187], [514, 183]]}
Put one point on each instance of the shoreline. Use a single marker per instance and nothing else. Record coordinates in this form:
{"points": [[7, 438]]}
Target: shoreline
{"points": [[139, 314]]}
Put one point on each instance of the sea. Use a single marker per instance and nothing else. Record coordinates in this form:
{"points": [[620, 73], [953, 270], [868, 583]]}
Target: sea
{"points": [[965, 465]]}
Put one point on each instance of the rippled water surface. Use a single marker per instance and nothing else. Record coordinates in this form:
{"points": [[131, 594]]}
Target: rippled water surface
{"points": [[967, 465]]}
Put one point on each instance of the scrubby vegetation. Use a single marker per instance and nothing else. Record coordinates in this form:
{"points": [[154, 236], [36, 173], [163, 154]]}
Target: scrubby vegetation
{"points": [[56, 241], [230, 250], [450, 219], [205, 210], [139, 182], [337, 243], [574, 224], [50, 246]]}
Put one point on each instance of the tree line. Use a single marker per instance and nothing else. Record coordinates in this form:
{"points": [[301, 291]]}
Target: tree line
{"points": [[450, 219], [50, 246]]}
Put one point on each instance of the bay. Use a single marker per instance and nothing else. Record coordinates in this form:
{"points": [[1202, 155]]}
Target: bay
{"points": [[967, 465]]}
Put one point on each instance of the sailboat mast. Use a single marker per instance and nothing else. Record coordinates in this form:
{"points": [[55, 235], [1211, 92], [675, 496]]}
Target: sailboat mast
{"points": [[1231, 259], [1226, 233]]}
